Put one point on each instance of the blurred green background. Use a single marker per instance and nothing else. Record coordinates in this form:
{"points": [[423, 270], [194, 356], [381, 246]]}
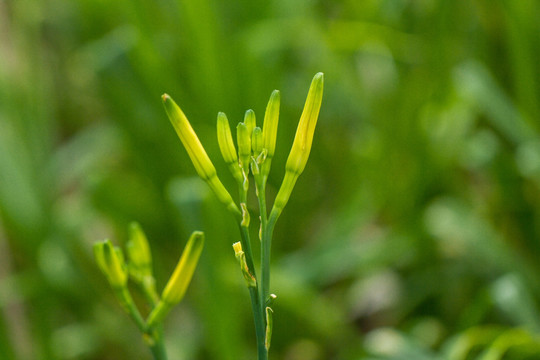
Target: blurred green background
{"points": [[413, 233]]}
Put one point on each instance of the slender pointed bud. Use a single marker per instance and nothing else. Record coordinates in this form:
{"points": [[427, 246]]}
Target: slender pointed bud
{"points": [[176, 287], [306, 127], [241, 257], [138, 250], [197, 154], [302, 143], [269, 326], [250, 121], [225, 140], [257, 141], [189, 139], [243, 136], [271, 118], [111, 262], [226, 145]]}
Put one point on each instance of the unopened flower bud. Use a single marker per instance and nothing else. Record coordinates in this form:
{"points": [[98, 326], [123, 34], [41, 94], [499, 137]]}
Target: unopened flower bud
{"points": [[226, 145], [139, 253], [243, 136], [189, 139], [271, 118], [302, 143], [178, 282], [176, 287], [257, 141], [111, 262], [270, 126], [306, 127], [197, 154], [250, 121]]}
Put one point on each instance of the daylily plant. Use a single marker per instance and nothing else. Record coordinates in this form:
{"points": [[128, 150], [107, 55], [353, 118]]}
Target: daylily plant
{"points": [[256, 148]]}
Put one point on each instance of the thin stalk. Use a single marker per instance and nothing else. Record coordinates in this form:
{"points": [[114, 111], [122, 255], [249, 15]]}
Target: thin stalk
{"points": [[256, 306], [266, 243], [129, 305], [267, 229], [156, 341], [154, 338], [149, 289], [245, 238], [158, 346]]}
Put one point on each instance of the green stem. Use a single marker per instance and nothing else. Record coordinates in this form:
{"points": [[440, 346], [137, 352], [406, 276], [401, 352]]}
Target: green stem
{"points": [[153, 337], [256, 306], [267, 235], [128, 304], [245, 238], [266, 243], [267, 229], [148, 286], [158, 346]]}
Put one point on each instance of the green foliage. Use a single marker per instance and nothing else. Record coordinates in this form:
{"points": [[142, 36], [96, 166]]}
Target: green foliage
{"points": [[414, 223]]}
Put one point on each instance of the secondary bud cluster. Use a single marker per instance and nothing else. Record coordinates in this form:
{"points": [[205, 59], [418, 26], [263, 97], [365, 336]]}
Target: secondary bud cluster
{"points": [[110, 261]]}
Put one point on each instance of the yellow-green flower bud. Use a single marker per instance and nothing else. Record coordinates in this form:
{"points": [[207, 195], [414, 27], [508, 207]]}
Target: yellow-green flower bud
{"points": [[306, 127], [270, 126], [271, 118], [187, 135], [243, 136], [226, 145], [176, 287], [225, 140], [302, 143], [250, 121], [197, 154], [138, 250], [111, 262], [257, 141]]}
